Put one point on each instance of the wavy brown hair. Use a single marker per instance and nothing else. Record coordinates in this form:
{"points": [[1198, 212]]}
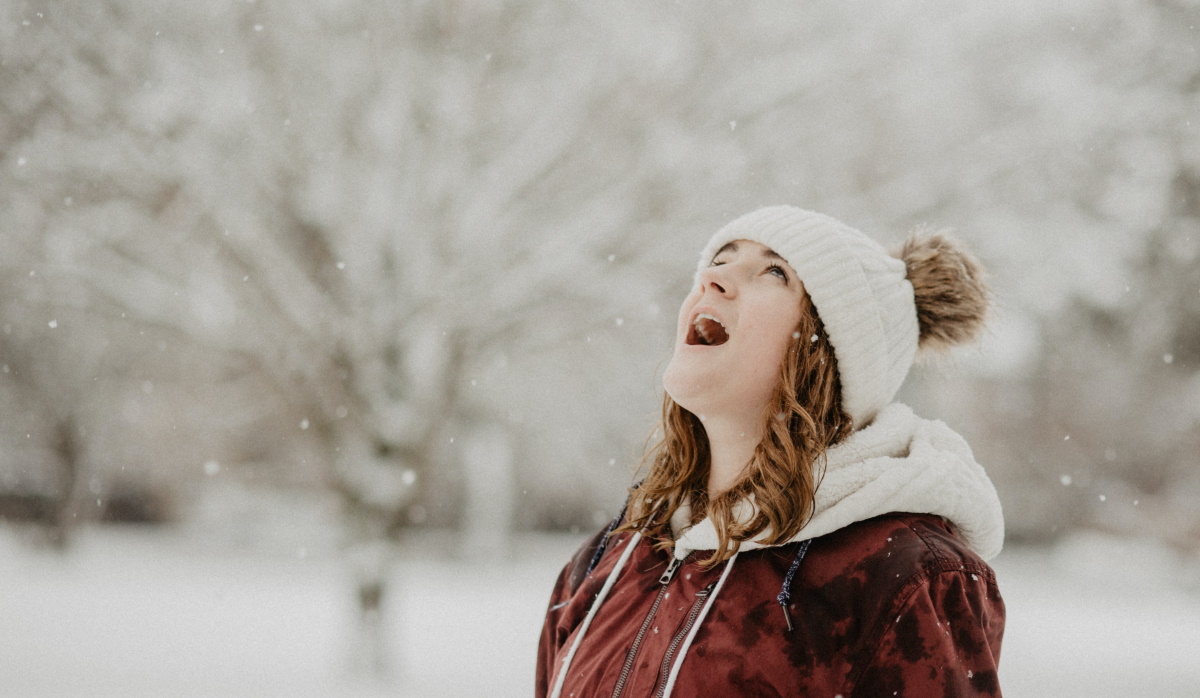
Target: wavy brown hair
{"points": [[803, 418]]}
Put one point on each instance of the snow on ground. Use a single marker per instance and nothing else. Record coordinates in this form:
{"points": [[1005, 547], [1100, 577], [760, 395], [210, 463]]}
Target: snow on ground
{"points": [[133, 613], [1098, 616]]}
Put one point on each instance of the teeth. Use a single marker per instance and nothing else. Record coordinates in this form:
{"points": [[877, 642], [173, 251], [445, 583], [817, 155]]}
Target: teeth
{"points": [[702, 328]]}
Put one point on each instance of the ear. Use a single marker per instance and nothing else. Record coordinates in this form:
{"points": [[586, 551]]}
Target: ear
{"points": [[948, 285]]}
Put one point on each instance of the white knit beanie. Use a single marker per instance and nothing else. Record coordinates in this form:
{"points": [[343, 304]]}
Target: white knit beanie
{"points": [[860, 291]]}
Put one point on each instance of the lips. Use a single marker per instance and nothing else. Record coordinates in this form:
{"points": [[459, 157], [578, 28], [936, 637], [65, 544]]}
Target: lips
{"points": [[706, 330]]}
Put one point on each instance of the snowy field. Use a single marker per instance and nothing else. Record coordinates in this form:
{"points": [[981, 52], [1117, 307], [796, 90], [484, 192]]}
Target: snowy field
{"points": [[131, 613]]}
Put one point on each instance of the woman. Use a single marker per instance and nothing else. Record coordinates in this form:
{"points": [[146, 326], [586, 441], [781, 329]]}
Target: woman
{"points": [[798, 533]]}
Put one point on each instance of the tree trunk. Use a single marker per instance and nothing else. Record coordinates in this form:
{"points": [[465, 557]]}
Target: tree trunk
{"points": [[490, 491]]}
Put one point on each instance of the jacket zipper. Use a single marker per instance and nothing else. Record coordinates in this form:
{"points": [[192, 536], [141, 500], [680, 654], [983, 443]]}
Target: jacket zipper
{"points": [[665, 671], [663, 581]]}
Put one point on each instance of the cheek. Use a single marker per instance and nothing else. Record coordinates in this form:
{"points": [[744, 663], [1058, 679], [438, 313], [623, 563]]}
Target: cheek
{"points": [[772, 335], [770, 358]]}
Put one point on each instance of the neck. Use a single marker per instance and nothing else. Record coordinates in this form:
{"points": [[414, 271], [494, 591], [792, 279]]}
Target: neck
{"points": [[731, 444]]}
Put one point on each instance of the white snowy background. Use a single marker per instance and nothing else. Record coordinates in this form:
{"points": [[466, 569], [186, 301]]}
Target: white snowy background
{"points": [[328, 328]]}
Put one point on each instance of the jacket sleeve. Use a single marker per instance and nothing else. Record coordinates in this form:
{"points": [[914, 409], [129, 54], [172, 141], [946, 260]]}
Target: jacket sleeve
{"points": [[560, 617], [943, 639], [549, 644]]}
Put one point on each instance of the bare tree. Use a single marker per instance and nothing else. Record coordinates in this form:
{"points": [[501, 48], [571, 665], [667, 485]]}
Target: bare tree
{"points": [[365, 223]]}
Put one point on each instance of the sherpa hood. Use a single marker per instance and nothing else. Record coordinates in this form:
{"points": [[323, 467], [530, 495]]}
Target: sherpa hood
{"points": [[898, 463]]}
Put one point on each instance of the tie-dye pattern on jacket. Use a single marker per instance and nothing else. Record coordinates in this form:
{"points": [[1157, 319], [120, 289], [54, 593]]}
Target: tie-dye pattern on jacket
{"points": [[894, 605]]}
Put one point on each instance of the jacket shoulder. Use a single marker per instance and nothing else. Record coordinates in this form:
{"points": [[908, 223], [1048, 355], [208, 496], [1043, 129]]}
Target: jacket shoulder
{"points": [[582, 561], [895, 549], [933, 616], [589, 553]]}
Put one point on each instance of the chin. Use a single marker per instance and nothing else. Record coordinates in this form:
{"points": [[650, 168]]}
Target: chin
{"points": [[673, 385], [687, 391]]}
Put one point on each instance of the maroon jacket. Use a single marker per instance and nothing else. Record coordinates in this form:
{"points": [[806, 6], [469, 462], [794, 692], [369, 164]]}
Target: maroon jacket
{"points": [[895, 605]]}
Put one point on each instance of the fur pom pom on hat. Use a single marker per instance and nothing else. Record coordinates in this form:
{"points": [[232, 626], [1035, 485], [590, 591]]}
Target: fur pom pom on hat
{"points": [[949, 288], [876, 308]]}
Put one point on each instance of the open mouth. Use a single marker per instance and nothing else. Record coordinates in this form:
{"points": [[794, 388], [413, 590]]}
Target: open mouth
{"points": [[707, 331]]}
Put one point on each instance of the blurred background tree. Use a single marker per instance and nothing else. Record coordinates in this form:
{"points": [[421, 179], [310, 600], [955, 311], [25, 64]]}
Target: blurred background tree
{"points": [[419, 261]]}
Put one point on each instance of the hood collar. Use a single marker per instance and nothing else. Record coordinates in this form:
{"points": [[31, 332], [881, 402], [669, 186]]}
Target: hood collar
{"points": [[898, 463]]}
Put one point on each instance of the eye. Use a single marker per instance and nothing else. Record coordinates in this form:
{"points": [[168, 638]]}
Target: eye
{"points": [[778, 271], [716, 262]]}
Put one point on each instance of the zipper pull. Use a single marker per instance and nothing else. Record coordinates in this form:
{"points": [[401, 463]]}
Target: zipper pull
{"points": [[670, 572], [706, 590]]}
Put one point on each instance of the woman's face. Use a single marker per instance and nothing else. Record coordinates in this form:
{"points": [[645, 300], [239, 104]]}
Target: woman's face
{"points": [[733, 332]]}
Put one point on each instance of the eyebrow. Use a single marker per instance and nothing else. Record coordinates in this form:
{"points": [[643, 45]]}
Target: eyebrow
{"points": [[733, 247]]}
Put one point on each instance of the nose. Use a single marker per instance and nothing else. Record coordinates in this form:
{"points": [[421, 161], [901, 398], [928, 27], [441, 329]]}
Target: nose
{"points": [[719, 279]]}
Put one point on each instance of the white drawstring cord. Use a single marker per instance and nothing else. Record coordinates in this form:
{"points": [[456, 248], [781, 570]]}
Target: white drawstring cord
{"points": [[608, 584], [687, 642]]}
